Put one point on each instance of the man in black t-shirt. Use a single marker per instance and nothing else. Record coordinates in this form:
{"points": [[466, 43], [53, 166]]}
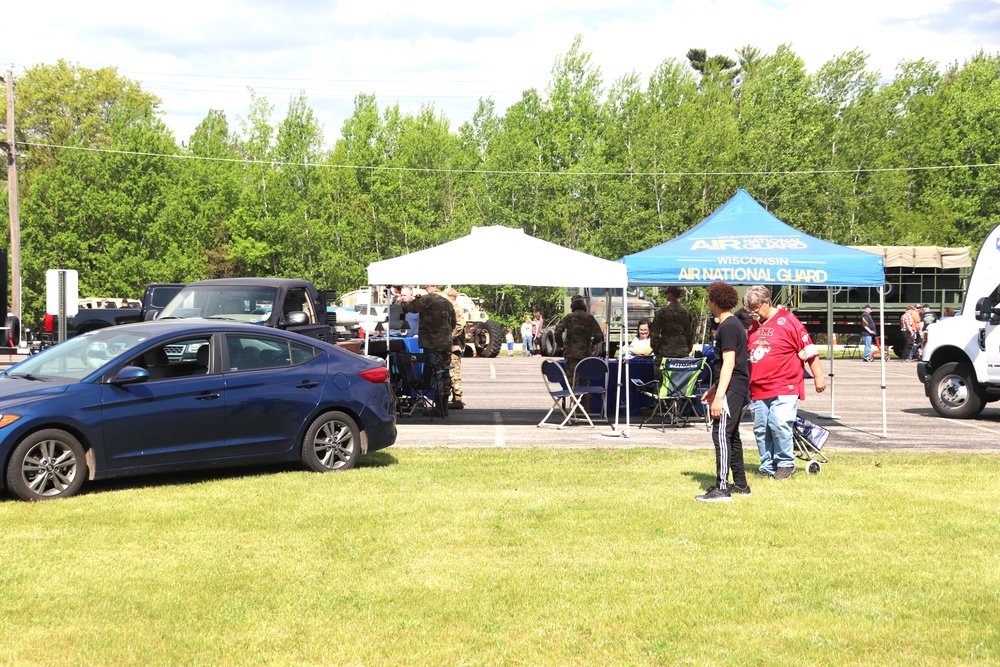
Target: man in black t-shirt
{"points": [[728, 396]]}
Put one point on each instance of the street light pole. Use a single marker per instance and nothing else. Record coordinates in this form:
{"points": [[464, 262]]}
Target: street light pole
{"points": [[15, 221]]}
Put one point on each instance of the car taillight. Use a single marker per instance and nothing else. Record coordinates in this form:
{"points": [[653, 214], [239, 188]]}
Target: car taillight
{"points": [[50, 323], [376, 375]]}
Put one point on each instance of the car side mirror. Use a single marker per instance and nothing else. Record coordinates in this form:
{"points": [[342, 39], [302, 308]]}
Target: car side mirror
{"points": [[130, 375]]}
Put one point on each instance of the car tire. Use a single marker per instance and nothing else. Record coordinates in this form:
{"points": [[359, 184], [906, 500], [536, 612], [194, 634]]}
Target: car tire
{"points": [[954, 391], [332, 443], [46, 465]]}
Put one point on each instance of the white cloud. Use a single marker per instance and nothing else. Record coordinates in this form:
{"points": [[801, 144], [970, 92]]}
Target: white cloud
{"points": [[198, 56]]}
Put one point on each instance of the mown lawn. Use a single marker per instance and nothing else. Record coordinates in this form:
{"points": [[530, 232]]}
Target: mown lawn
{"points": [[512, 557]]}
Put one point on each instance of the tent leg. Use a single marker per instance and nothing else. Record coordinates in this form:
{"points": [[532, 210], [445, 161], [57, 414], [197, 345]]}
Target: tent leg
{"points": [[829, 344]]}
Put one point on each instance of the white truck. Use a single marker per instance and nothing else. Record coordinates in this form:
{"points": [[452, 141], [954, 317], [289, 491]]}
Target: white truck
{"points": [[960, 363]]}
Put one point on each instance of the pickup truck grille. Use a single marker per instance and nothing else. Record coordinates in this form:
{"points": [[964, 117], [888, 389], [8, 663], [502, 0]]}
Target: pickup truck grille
{"points": [[174, 351]]}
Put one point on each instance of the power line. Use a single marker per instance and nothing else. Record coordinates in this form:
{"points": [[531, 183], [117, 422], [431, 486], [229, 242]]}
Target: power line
{"points": [[503, 172]]}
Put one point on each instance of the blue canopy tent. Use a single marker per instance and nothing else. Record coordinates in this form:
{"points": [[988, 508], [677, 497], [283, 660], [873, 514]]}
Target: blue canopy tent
{"points": [[742, 243]]}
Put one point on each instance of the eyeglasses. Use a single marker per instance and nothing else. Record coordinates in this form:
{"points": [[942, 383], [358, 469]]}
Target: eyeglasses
{"points": [[756, 310]]}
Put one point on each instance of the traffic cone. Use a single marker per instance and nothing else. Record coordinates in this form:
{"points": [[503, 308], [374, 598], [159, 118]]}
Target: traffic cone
{"points": [[834, 338]]}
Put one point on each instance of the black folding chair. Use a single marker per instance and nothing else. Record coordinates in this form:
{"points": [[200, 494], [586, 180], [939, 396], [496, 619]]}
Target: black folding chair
{"points": [[852, 346]]}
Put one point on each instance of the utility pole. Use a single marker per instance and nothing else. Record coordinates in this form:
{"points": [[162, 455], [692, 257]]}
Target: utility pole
{"points": [[15, 221]]}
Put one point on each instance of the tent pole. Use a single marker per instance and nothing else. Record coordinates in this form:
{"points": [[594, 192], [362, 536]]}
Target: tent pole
{"points": [[366, 327], [881, 317], [829, 345], [622, 336]]}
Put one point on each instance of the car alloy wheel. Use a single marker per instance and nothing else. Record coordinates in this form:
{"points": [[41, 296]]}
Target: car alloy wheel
{"points": [[332, 443], [47, 464]]}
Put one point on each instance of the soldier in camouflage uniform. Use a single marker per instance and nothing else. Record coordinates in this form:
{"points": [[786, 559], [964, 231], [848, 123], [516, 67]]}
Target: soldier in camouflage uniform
{"points": [[457, 351], [437, 323], [672, 333], [582, 334]]}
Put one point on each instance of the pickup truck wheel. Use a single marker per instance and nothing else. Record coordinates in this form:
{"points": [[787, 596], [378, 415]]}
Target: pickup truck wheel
{"points": [[954, 392], [333, 443]]}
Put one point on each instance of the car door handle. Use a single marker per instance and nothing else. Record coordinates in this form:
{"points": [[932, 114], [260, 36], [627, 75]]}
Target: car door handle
{"points": [[207, 397], [306, 384]]}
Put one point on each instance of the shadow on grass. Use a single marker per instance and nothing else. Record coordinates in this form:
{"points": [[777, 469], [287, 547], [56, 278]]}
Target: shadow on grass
{"points": [[705, 480], [379, 459]]}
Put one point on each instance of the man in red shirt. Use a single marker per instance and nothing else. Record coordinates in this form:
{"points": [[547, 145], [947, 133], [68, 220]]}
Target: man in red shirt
{"points": [[778, 345]]}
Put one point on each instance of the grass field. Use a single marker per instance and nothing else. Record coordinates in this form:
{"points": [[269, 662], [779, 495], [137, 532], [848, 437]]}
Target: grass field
{"points": [[512, 557]]}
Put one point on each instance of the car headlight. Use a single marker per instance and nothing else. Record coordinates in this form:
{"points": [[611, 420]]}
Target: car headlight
{"points": [[7, 419]]}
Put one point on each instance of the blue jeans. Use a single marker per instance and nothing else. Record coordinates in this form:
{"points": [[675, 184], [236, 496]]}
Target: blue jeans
{"points": [[526, 346], [773, 421], [868, 345]]}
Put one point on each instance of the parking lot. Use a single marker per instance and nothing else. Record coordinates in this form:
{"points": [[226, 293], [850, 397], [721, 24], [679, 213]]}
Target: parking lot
{"points": [[506, 398]]}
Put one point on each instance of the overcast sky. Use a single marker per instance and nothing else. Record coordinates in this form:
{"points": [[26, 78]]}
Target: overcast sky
{"points": [[198, 56]]}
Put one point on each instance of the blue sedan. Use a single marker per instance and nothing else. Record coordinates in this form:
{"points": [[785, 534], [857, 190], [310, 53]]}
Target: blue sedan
{"points": [[183, 394]]}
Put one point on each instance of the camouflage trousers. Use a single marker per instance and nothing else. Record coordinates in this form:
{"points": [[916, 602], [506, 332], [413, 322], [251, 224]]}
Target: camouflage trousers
{"points": [[441, 360], [570, 368], [456, 373]]}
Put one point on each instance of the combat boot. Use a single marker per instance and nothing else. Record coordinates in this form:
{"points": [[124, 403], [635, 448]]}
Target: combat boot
{"points": [[457, 403]]}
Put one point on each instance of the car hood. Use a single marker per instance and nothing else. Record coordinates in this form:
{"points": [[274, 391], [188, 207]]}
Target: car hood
{"points": [[16, 389]]}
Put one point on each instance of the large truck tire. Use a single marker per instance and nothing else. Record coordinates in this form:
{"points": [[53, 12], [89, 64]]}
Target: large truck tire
{"points": [[488, 339], [954, 391], [549, 343]]}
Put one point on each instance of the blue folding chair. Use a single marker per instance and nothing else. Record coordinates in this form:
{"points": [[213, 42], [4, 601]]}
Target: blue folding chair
{"points": [[563, 396], [592, 378]]}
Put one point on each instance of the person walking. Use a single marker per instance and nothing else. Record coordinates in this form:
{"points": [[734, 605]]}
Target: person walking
{"points": [[538, 326], [725, 399], [582, 334], [526, 337], [868, 331], [778, 344]]}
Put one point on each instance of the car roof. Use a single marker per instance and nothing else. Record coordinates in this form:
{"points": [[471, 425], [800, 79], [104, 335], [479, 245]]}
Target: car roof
{"points": [[250, 282], [195, 325]]}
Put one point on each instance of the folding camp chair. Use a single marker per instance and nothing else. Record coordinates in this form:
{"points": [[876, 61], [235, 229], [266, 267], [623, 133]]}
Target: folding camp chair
{"points": [[563, 396], [416, 384], [591, 378], [677, 398]]}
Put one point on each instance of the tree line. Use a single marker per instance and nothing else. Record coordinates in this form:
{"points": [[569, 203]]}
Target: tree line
{"points": [[842, 153]]}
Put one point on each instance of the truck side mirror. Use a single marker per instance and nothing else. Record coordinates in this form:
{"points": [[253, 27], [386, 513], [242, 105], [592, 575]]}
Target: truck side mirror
{"points": [[296, 318], [984, 310]]}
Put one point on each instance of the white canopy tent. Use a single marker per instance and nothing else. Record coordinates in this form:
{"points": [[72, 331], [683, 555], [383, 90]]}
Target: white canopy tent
{"points": [[501, 256]]}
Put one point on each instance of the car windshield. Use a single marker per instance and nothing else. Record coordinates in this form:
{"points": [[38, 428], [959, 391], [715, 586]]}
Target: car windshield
{"points": [[245, 304], [77, 357]]}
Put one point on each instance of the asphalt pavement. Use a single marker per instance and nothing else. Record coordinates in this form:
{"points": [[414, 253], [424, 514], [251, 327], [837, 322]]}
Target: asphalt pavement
{"points": [[506, 398]]}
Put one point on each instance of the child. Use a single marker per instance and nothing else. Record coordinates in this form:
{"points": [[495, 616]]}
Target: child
{"points": [[510, 342]]}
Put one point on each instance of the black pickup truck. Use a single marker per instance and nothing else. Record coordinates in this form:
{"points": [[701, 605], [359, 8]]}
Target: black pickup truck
{"points": [[282, 303], [154, 299]]}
